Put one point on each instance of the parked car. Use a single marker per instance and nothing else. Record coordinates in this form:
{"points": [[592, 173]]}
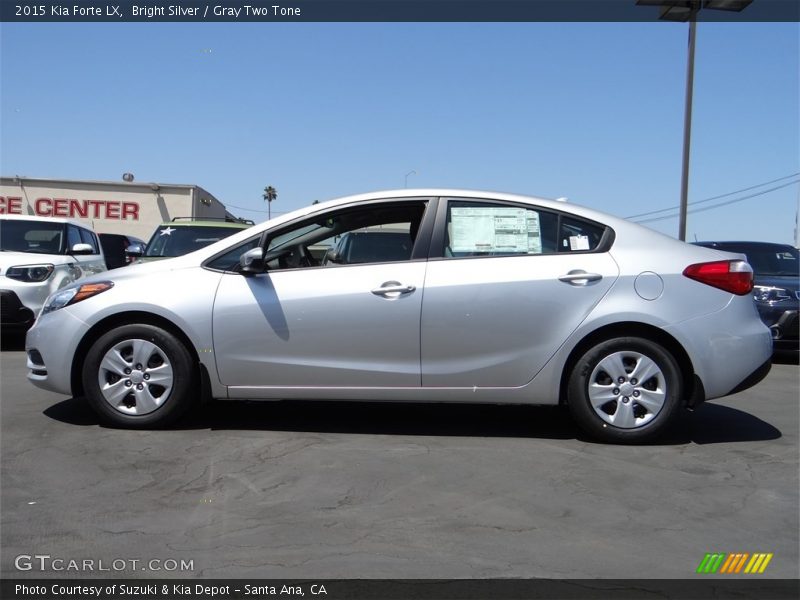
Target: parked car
{"points": [[502, 299], [183, 235], [38, 257], [114, 247], [776, 291]]}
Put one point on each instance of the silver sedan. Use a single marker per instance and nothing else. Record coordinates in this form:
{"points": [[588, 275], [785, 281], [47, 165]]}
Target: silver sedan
{"points": [[415, 295]]}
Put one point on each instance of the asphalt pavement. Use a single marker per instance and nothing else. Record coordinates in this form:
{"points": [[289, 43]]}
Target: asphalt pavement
{"points": [[349, 490]]}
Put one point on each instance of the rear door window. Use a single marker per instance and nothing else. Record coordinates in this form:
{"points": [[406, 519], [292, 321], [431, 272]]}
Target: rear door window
{"points": [[488, 229], [495, 228], [577, 235]]}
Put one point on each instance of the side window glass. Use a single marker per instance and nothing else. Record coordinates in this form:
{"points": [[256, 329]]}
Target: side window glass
{"points": [[370, 234], [87, 237], [487, 229], [578, 236], [73, 237]]}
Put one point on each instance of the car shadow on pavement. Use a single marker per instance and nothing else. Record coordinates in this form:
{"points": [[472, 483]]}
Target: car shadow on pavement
{"points": [[709, 424], [377, 418], [13, 341], [786, 358], [713, 423]]}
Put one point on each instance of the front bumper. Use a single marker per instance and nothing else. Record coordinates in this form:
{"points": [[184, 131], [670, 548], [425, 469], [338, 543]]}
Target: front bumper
{"points": [[50, 346], [13, 313], [785, 332]]}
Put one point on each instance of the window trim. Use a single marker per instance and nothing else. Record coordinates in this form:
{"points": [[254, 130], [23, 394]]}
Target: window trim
{"points": [[93, 241], [437, 242], [420, 251], [77, 230], [206, 264]]}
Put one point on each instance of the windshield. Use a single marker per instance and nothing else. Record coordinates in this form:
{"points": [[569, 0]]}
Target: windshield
{"points": [[772, 261], [35, 237], [177, 241]]}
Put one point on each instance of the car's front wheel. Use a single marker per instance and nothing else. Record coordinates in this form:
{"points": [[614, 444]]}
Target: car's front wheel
{"points": [[139, 376], [625, 390]]}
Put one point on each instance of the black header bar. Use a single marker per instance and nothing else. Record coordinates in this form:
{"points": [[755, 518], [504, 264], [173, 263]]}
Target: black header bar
{"points": [[116, 11], [737, 588]]}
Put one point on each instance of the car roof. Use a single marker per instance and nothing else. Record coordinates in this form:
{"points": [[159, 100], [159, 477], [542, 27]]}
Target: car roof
{"points": [[401, 194], [201, 223], [744, 244], [44, 220]]}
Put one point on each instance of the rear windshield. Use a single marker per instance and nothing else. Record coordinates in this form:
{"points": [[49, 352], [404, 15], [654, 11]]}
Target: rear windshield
{"points": [[177, 241], [36, 237], [774, 261]]}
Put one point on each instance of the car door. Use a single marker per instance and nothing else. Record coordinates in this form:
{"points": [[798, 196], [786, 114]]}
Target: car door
{"points": [[510, 285], [308, 325]]}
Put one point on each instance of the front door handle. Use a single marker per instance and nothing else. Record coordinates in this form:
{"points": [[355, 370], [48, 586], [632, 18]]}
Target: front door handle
{"points": [[580, 277], [393, 289]]}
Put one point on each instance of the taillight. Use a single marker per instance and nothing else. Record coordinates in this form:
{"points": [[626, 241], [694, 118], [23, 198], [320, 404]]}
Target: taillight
{"points": [[734, 276]]}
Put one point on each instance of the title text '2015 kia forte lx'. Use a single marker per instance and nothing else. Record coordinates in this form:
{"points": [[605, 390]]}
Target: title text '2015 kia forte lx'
{"points": [[486, 298]]}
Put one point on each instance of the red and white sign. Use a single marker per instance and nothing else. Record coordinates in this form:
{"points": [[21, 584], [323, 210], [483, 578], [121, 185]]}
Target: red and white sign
{"points": [[72, 208]]}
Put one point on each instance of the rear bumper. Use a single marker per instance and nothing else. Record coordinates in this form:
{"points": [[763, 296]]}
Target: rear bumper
{"points": [[754, 377], [726, 348]]}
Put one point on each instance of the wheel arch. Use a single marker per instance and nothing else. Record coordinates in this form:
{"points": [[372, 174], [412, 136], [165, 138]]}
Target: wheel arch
{"points": [[129, 318], [692, 386]]}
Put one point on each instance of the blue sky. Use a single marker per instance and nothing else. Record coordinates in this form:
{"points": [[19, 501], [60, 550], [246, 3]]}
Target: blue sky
{"points": [[590, 111]]}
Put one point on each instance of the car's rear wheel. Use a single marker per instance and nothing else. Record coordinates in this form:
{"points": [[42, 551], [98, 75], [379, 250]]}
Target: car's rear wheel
{"points": [[139, 376], [625, 390]]}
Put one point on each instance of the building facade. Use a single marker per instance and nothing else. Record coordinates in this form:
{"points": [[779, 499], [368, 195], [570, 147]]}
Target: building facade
{"points": [[109, 207]]}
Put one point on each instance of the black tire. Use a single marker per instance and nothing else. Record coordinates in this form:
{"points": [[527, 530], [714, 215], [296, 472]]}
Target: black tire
{"points": [[138, 400], [629, 415]]}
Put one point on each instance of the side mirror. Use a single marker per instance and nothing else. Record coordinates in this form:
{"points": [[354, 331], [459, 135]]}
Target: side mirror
{"points": [[81, 249], [135, 250], [332, 256], [252, 261]]}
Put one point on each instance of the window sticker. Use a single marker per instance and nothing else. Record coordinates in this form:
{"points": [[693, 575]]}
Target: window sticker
{"points": [[495, 229], [579, 242]]}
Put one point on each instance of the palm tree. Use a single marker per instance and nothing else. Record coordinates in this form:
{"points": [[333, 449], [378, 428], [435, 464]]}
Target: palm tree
{"points": [[270, 194]]}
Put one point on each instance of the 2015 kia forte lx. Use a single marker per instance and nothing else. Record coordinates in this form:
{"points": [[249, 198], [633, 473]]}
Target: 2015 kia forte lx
{"points": [[453, 296]]}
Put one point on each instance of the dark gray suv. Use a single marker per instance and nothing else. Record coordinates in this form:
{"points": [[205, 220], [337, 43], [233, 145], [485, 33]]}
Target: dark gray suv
{"points": [[776, 287]]}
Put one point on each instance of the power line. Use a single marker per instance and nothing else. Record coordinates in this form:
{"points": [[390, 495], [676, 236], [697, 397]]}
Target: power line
{"points": [[747, 189], [705, 208], [274, 212]]}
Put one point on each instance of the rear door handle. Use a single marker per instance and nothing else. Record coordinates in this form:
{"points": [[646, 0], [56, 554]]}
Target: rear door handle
{"points": [[393, 289], [580, 277]]}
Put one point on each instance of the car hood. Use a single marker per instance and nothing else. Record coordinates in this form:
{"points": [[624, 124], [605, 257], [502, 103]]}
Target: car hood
{"points": [[145, 269], [9, 258]]}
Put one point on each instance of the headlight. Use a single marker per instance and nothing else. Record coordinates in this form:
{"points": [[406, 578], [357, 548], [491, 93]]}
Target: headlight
{"points": [[768, 294], [75, 294], [30, 273]]}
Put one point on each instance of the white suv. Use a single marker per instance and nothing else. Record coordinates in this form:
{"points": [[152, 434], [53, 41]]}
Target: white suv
{"points": [[39, 256]]}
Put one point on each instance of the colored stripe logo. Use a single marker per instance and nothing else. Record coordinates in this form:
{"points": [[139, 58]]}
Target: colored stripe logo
{"points": [[734, 563]]}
